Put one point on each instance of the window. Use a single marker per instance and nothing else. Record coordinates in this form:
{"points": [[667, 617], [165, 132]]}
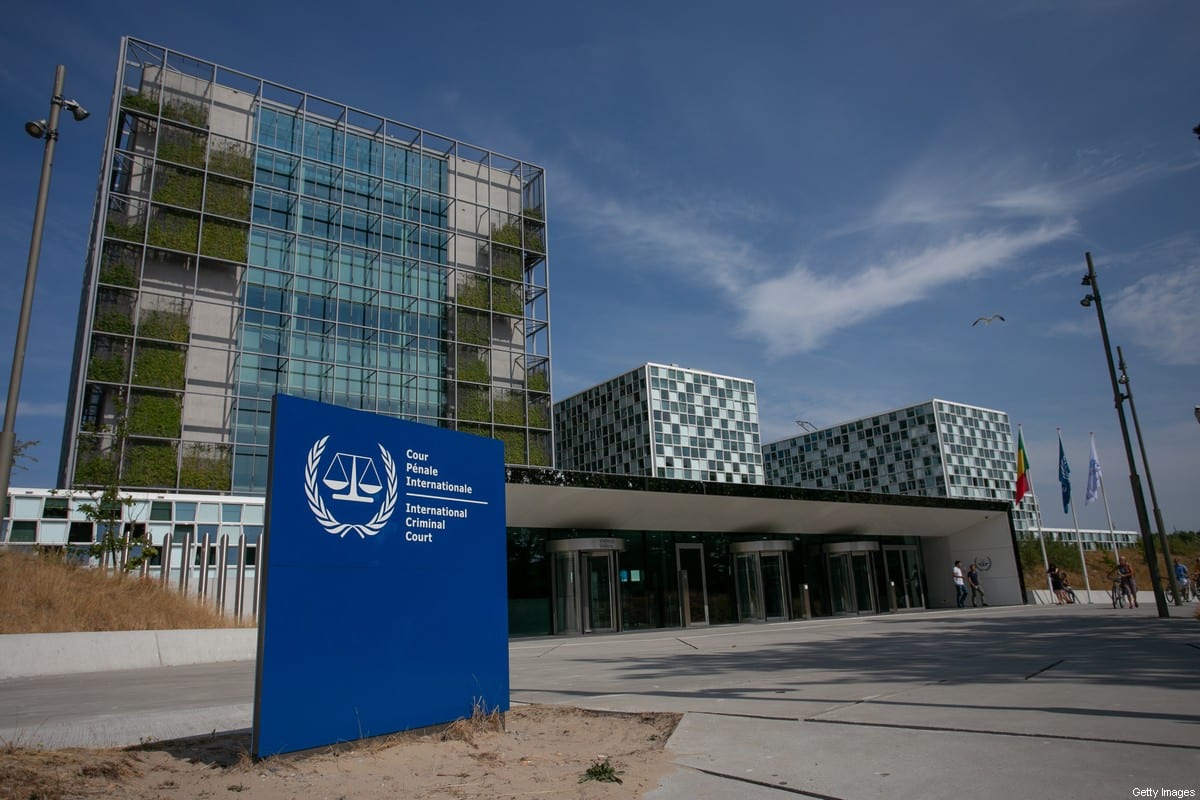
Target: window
{"points": [[55, 508]]}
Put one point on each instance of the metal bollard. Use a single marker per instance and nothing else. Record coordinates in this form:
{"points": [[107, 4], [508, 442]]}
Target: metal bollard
{"points": [[892, 597], [807, 602]]}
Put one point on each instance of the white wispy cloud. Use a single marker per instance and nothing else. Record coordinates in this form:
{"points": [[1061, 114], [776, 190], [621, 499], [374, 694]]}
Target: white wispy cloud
{"points": [[798, 311], [943, 221], [1160, 311], [36, 409]]}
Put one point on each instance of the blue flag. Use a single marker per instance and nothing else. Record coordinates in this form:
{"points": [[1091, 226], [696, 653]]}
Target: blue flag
{"points": [[1064, 476], [1094, 476]]}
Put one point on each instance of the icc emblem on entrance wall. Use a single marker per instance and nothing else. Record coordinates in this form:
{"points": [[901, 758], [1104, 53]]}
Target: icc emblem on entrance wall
{"points": [[353, 479]]}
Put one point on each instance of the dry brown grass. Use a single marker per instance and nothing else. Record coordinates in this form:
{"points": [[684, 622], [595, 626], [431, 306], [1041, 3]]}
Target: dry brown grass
{"points": [[45, 594]]}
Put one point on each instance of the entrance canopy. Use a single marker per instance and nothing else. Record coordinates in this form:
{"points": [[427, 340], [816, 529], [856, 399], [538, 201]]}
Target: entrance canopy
{"points": [[584, 501]]}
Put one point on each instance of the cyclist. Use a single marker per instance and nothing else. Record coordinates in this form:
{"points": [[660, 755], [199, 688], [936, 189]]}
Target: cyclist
{"points": [[1128, 582], [1182, 582]]}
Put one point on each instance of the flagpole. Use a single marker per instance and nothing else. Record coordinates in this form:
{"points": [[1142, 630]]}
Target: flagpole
{"points": [[1064, 473], [1094, 469], [1037, 522]]}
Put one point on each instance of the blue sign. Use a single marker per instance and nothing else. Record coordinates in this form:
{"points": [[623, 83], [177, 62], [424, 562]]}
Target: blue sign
{"points": [[384, 584]]}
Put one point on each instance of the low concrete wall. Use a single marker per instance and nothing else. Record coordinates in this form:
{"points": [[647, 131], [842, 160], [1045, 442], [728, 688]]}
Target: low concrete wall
{"points": [[28, 654], [1045, 597]]}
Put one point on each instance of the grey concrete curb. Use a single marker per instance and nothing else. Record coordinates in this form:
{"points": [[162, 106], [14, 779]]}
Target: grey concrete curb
{"points": [[29, 654]]}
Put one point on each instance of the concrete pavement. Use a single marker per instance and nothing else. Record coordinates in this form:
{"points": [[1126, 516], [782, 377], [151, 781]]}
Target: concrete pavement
{"points": [[1062, 702]]}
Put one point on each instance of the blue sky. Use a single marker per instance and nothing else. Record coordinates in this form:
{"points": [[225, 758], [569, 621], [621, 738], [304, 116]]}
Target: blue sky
{"points": [[820, 197]]}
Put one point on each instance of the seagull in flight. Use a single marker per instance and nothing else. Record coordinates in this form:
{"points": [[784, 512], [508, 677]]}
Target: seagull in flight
{"points": [[988, 320]]}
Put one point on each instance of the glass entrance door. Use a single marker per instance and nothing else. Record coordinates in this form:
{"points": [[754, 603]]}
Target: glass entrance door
{"points": [[566, 595], [749, 587], [903, 567], [852, 577], [599, 600], [693, 586], [774, 585]]}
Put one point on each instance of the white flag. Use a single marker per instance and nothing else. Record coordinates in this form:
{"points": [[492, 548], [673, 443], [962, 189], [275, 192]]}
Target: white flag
{"points": [[1093, 486]]}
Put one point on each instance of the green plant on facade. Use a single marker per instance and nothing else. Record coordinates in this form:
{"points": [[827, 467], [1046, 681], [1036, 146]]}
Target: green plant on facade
{"points": [[539, 452], [473, 368], [156, 415], [183, 111], [473, 404], [514, 445], [506, 263], [119, 265], [161, 366], [539, 415], [507, 298], [168, 324], [150, 464], [175, 230], [510, 408], [232, 161], [225, 240], [138, 101], [206, 467], [130, 232], [227, 198], [110, 368], [113, 320], [538, 382], [473, 292], [93, 465], [181, 146], [473, 328], [178, 187], [475, 430]]}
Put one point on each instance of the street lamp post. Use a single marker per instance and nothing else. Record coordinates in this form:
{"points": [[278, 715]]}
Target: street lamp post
{"points": [[1139, 499], [47, 130], [1158, 520]]}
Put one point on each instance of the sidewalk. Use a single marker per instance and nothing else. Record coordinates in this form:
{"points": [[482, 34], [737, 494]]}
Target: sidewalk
{"points": [[1037, 701]]}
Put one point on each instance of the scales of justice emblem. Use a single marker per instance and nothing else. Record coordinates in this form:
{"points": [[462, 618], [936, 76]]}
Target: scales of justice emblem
{"points": [[354, 479]]}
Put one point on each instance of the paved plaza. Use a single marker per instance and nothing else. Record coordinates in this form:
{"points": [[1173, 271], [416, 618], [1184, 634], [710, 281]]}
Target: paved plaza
{"points": [[1034, 701]]}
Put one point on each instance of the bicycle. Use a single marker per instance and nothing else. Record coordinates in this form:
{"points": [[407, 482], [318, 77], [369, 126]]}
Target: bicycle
{"points": [[1117, 594]]}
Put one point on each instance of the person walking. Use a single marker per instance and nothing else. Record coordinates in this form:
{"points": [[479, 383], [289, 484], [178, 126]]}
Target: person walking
{"points": [[1128, 583], [960, 588], [1056, 585], [973, 583]]}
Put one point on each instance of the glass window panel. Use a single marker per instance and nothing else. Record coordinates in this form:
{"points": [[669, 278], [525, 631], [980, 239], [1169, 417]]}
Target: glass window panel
{"points": [[160, 510], [252, 516], [55, 508], [23, 531], [27, 507], [207, 512], [231, 512], [53, 532]]}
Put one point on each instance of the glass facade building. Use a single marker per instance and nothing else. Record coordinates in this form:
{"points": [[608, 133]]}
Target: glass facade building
{"points": [[931, 449], [252, 239], [664, 422]]}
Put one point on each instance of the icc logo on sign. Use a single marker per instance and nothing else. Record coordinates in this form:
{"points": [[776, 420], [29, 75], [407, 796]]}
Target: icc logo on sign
{"points": [[354, 480]]}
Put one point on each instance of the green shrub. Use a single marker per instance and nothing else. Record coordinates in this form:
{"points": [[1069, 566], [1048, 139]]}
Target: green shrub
{"points": [[113, 320], [205, 467], [109, 369], [539, 453], [506, 263], [146, 103], [539, 382], [94, 470], [118, 274], [181, 146], [473, 369], [514, 445], [156, 415], [473, 292], [507, 299], [473, 328], [539, 415], [150, 464], [227, 198], [510, 409], [174, 229], [183, 111], [231, 161], [130, 232], [473, 404], [159, 365], [225, 240], [169, 325], [179, 188]]}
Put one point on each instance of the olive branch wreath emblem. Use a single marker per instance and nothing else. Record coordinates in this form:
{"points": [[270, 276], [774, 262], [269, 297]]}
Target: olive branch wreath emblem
{"points": [[317, 505]]}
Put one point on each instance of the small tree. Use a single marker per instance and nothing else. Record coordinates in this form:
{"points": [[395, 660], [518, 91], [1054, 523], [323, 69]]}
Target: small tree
{"points": [[21, 452], [116, 546]]}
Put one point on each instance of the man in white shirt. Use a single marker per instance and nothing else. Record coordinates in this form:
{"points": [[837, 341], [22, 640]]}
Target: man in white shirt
{"points": [[960, 587]]}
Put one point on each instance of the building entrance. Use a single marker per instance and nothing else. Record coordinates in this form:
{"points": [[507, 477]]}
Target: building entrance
{"points": [[760, 575], [852, 571], [902, 566], [585, 591], [693, 586]]}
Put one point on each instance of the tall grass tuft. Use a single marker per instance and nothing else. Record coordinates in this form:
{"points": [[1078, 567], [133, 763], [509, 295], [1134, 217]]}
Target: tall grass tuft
{"points": [[44, 593]]}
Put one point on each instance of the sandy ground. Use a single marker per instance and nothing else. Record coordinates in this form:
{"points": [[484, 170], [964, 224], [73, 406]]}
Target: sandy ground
{"points": [[541, 751]]}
